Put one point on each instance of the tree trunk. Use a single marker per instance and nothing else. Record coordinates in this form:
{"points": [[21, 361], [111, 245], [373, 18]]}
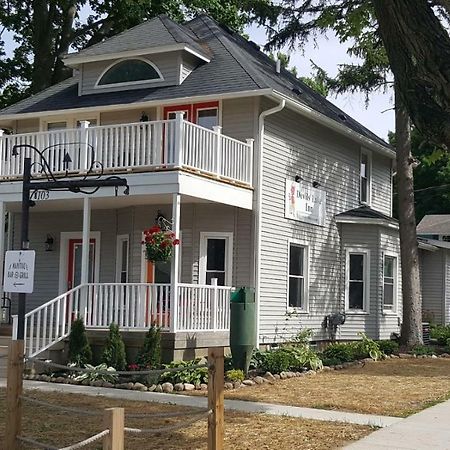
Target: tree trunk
{"points": [[418, 48], [412, 303]]}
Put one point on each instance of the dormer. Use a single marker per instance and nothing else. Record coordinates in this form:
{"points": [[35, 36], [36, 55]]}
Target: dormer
{"points": [[156, 53]]}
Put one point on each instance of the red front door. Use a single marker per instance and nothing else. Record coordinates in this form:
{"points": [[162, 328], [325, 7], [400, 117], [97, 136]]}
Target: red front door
{"points": [[74, 262]]}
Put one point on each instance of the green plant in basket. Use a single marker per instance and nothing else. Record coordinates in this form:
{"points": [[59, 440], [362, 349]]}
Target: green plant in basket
{"points": [[159, 244]]}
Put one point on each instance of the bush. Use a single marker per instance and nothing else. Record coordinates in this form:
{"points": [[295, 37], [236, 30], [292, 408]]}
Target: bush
{"points": [[340, 351], [80, 352], [420, 350], [192, 376], [331, 361], [111, 376], [149, 357], [388, 347], [441, 333], [114, 352], [287, 358], [234, 375]]}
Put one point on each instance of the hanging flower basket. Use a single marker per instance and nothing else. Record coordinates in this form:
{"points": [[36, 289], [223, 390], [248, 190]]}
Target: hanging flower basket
{"points": [[159, 244]]}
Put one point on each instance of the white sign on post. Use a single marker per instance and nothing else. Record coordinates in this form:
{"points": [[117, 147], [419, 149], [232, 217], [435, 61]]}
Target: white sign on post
{"points": [[19, 271]]}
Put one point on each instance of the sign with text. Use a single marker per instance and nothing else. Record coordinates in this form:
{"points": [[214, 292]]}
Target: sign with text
{"points": [[19, 271], [305, 203]]}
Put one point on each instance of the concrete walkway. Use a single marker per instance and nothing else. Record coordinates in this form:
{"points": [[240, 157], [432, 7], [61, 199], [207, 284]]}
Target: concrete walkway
{"points": [[201, 402], [426, 430]]}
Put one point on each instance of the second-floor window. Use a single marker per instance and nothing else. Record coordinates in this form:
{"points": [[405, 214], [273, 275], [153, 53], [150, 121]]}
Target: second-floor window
{"points": [[389, 282], [366, 177]]}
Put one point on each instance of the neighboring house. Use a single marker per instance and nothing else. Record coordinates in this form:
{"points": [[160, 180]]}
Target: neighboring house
{"points": [[267, 184], [434, 235]]}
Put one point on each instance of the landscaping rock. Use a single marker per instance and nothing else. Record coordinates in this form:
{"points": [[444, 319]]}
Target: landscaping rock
{"points": [[152, 388], [97, 383], [122, 386], [107, 384], [189, 387], [405, 355], [237, 384], [445, 355], [283, 375], [327, 368], [228, 386], [178, 387], [338, 367], [167, 387], [259, 380], [203, 387], [85, 383], [159, 388], [269, 376], [277, 376], [139, 387], [130, 386], [394, 356], [248, 383]]}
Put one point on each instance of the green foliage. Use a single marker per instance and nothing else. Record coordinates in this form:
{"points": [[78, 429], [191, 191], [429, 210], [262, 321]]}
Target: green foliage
{"points": [[369, 347], [289, 358], [95, 374], [228, 362], [388, 347], [302, 337], [193, 376], [234, 375], [149, 357], [79, 349], [114, 351], [420, 350], [352, 351], [441, 333]]}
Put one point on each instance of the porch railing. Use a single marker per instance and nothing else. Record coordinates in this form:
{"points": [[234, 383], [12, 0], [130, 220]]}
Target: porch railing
{"points": [[155, 145], [133, 306]]}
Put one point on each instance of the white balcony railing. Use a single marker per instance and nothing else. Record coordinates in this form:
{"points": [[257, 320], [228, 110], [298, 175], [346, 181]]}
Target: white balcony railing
{"points": [[157, 145], [133, 306]]}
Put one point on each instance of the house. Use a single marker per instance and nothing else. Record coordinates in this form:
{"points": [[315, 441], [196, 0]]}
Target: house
{"points": [[266, 183], [433, 233]]}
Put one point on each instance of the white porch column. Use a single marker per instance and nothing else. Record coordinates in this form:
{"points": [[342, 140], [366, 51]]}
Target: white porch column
{"points": [[84, 125], [175, 263], [178, 148], [85, 253]]}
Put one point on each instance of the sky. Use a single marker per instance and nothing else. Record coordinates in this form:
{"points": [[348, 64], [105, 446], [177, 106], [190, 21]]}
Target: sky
{"points": [[327, 53]]}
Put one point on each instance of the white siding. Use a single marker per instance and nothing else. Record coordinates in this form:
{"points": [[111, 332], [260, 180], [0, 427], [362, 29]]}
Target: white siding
{"points": [[189, 63], [447, 287], [381, 184], [167, 63], [238, 118], [295, 145]]}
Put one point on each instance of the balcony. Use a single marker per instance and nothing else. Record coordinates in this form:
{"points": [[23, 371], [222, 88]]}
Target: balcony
{"points": [[135, 147]]}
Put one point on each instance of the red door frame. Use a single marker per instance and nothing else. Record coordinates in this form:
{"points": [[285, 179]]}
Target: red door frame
{"points": [[191, 109]]}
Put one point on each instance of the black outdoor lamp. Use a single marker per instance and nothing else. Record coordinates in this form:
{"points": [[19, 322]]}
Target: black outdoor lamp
{"points": [[49, 243]]}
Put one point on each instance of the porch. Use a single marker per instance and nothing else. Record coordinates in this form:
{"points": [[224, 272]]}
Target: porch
{"points": [[160, 145]]}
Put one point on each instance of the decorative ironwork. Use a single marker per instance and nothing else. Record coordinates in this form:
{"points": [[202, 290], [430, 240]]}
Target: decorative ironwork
{"points": [[162, 222]]}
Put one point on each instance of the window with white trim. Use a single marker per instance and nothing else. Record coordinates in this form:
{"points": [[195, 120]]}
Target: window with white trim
{"points": [[207, 117], [389, 282], [298, 271], [122, 258], [129, 71], [365, 177], [357, 280], [216, 256]]}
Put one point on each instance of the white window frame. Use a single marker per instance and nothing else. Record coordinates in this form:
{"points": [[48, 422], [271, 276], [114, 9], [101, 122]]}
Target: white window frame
{"points": [[367, 153], [306, 263], [71, 120], [366, 279], [204, 236], [129, 83], [120, 239], [393, 310], [207, 109]]}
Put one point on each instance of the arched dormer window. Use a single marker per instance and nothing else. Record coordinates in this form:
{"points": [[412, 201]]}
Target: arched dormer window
{"points": [[129, 71]]}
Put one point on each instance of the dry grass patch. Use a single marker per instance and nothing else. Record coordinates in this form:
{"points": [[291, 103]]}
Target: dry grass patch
{"points": [[397, 387], [242, 431]]}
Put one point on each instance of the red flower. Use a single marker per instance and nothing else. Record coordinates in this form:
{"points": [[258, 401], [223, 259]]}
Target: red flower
{"points": [[153, 230], [176, 242]]}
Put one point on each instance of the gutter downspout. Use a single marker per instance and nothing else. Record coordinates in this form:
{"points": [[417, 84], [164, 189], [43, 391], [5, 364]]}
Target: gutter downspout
{"points": [[258, 214]]}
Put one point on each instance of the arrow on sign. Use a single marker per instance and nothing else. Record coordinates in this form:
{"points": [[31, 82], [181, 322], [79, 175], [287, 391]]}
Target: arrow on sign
{"points": [[18, 284]]}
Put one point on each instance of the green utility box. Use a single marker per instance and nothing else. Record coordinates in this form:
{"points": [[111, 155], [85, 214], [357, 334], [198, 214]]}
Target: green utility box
{"points": [[242, 327]]}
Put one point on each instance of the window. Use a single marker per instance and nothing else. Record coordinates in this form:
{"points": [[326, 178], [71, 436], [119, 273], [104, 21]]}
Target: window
{"points": [[122, 258], [389, 282], [216, 258], [365, 177], [56, 126], [297, 276], [129, 71], [207, 118], [357, 280]]}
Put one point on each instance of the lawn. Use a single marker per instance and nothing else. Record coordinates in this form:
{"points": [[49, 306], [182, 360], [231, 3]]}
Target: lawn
{"points": [[394, 387], [242, 431]]}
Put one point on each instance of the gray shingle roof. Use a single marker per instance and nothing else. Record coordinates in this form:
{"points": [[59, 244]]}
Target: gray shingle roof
{"points": [[365, 212], [156, 32], [236, 65], [434, 224]]}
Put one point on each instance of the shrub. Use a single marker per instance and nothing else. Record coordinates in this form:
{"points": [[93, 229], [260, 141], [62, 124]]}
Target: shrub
{"points": [[79, 349], [289, 357], [192, 376], [388, 347], [441, 333], [114, 352], [339, 351], [234, 375], [369, 348], [149, 356], [94, 375], [420, 350], [330, 361]]}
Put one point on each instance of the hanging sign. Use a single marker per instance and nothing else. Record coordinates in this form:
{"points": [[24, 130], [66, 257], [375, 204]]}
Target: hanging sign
{"points": [[19, 271], [305, 203]]}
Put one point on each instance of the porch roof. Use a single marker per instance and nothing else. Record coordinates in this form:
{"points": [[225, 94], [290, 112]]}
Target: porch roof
{"points": [[366, 214]]}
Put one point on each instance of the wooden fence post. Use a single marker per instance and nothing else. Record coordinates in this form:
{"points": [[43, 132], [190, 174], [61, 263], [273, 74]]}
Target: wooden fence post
{"points": [[13, 393], [215, 398], [114, 421]]}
